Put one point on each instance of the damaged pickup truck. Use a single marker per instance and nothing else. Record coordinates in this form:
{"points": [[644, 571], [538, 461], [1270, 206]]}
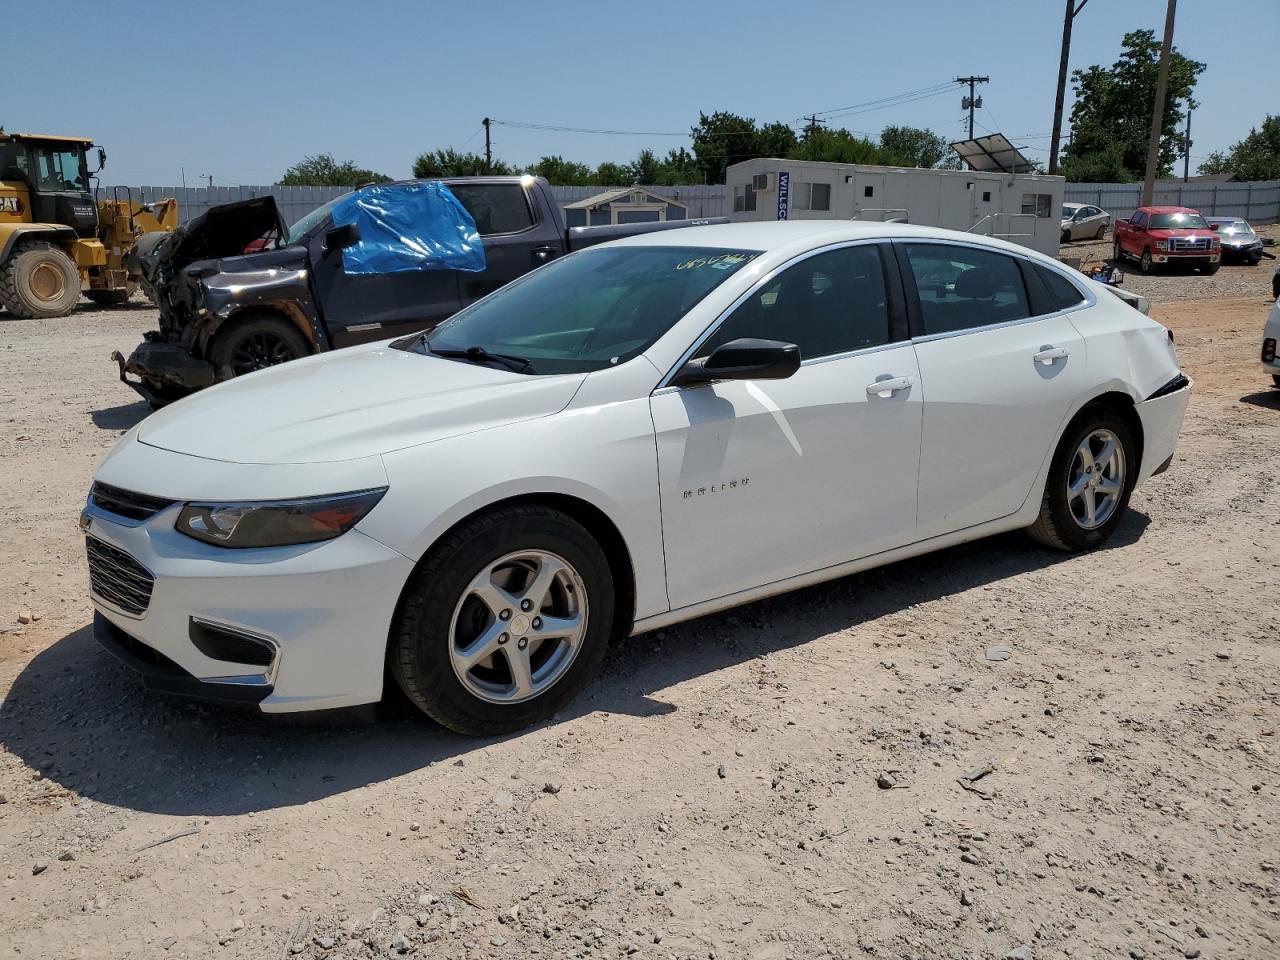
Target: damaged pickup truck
{"points": [[225, 312]]}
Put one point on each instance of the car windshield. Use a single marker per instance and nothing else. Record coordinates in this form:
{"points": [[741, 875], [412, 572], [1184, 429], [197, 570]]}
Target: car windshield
{"points": [[589, 311], [1069, 212], [1178, 221], [308, 223], [1234, 227]]}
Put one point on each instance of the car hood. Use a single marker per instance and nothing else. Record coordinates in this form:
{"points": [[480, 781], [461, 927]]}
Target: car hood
{"points": [[351, 403]]}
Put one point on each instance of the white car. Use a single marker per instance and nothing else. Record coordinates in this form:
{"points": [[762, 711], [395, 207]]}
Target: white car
{"points": [[1270, 337], [631, 436], [1082, 221]]}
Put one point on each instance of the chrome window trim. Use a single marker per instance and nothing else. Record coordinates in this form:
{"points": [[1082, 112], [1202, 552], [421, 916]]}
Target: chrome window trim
{"points": [[768, 278], [1090, 300]]}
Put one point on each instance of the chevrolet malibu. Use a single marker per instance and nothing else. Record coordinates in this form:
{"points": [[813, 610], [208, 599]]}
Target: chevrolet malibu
{"points": [[631, 436]]}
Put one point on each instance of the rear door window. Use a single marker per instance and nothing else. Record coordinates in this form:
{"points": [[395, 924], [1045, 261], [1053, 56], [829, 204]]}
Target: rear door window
{"points": [[961, 288], [496, 207]]}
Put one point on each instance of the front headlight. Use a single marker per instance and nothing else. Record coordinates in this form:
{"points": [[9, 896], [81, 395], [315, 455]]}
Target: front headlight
{"points": [[276, 523], [1162, 244]]}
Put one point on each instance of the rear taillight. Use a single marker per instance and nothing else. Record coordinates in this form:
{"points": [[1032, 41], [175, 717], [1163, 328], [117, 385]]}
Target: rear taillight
{"points": [[1269, 350]]}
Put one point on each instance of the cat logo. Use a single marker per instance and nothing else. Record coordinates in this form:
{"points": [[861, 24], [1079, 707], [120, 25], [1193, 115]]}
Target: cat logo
{"points": [[10, 205]]}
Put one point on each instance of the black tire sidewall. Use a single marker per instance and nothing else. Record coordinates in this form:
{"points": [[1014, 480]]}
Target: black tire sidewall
{"points": [[1075, 536], [236, 329], [421, 632], [1146, 263]]}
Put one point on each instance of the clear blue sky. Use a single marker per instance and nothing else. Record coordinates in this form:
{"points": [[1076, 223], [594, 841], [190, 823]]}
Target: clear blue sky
{"points": [[242, 90]]}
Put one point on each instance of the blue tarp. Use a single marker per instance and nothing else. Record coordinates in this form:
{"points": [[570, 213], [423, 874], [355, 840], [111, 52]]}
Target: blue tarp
{"points": [[409, 226]]}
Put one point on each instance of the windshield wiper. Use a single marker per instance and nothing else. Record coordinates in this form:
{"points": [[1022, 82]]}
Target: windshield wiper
{"points": [[481, 355]]}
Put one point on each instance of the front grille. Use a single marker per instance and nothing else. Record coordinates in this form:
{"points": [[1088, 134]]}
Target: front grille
{"points": [[117, 578], [126, 503], [1189, 243]]}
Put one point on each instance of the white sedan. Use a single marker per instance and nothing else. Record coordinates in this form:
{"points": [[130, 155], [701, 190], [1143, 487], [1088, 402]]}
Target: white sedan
{"points": [[634, 435]]}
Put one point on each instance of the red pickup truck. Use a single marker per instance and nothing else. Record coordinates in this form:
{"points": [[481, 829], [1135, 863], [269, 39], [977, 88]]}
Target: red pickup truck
{"points": [[1159, 236]]}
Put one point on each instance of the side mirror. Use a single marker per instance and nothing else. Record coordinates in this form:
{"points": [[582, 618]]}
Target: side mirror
{"points": [[339, 238], [1215, 227], [744, 359], [102, 159]]}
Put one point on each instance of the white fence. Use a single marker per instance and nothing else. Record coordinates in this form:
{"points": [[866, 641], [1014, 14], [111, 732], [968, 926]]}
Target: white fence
{"points": [[1257, 202]]}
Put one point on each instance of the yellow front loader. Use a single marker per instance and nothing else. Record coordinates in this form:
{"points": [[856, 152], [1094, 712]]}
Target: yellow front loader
{"points": [[56, 239]]}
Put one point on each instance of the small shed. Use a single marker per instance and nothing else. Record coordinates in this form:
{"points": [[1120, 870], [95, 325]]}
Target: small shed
{"points": [[624, 205]]}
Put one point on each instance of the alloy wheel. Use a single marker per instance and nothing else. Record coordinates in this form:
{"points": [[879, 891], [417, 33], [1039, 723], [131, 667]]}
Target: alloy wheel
{"points": [[1095, 479], [259, 350], [518, 626]]}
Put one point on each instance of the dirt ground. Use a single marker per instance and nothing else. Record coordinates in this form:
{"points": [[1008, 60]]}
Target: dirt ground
{"points": [[715, 793]]}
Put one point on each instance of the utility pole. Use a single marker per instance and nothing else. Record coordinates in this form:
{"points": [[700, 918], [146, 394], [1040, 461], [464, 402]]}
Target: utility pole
{"points": [[1186, 153], [1073, 11], [971, 102], [488, 148], [812, 125], [1157, 108]]}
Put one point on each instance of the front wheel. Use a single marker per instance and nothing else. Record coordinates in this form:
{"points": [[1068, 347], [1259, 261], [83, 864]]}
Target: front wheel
{"points": [[1090, 479], [1146, 264], [254, 342], [1116, 253], [1210, 270], [39, 280], [503, 621]]}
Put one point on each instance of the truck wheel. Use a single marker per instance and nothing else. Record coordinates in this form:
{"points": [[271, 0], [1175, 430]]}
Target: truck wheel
{"points": [[1146, 264], [1210, 270], [111, 298], [39, 280], [1117, 254], [255, 342], [503, 621]]}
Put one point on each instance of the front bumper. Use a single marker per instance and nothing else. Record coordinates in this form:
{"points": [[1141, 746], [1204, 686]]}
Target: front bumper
{"points": [[1187, 259], [165, 370], [326, 609]]}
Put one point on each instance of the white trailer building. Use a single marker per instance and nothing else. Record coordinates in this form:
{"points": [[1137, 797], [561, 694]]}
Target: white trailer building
{"points": [[1020, 207]]}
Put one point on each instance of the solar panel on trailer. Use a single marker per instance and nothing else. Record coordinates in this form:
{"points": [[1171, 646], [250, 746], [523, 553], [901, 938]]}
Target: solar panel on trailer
{"points": [[993, 153]]}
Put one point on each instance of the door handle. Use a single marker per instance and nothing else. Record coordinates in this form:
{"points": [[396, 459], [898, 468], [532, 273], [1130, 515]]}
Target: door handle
{"points": [[543, 253], [888, 386], [1048, 355]]}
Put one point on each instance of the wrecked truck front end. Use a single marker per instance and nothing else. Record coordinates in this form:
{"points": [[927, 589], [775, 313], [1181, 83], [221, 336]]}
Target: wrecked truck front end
{"points": [[199, 277]]}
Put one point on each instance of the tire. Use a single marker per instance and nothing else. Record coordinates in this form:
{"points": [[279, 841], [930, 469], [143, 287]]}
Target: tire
{"points": [[1117, 255], [1146, 265], [1066, 236], [1276, 380], [39, 280], [255, 341], [112, 298], [1209, 271], [1061, 524], [1255, 260], [438, 607], [1102, 232]]}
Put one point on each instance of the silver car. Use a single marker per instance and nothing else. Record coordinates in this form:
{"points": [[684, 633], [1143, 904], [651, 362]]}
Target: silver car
{"points": [[1081, 221], [1239, 242]]}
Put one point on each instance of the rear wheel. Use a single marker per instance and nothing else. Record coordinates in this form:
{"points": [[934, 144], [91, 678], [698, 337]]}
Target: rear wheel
{"points": [[503, 621], [39, 280], [111, 298], [1102, 232], [1090, 479], [255, 342]]}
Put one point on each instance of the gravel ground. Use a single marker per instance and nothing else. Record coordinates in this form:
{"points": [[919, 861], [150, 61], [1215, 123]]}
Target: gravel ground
{"points": [[798, 778], [1231, 280]]}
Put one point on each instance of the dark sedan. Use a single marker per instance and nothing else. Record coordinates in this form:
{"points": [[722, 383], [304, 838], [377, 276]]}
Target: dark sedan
{"points": [[1239, 242]]}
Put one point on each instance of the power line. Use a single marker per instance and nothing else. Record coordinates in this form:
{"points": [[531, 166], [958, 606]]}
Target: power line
{"points": [[556, 128], [907, 96]]}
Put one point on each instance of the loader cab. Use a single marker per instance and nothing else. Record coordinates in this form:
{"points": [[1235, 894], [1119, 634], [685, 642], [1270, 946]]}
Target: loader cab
{"points": [[55, 174]]}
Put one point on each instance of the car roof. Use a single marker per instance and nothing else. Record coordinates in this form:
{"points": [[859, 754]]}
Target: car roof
{"points": [[1072, 204], [770, 235], [1169, 209], [1225, 219]]}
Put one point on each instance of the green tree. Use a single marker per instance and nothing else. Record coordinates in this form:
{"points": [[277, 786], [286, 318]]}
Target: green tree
{"points": [[1113, 109], [322, 170], [836, 146], [775, 140], [1256, 157], [723, 139], [610, 174], [644, 169], [916, 147], [679, 166], [448, 162], [564, 173]]}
